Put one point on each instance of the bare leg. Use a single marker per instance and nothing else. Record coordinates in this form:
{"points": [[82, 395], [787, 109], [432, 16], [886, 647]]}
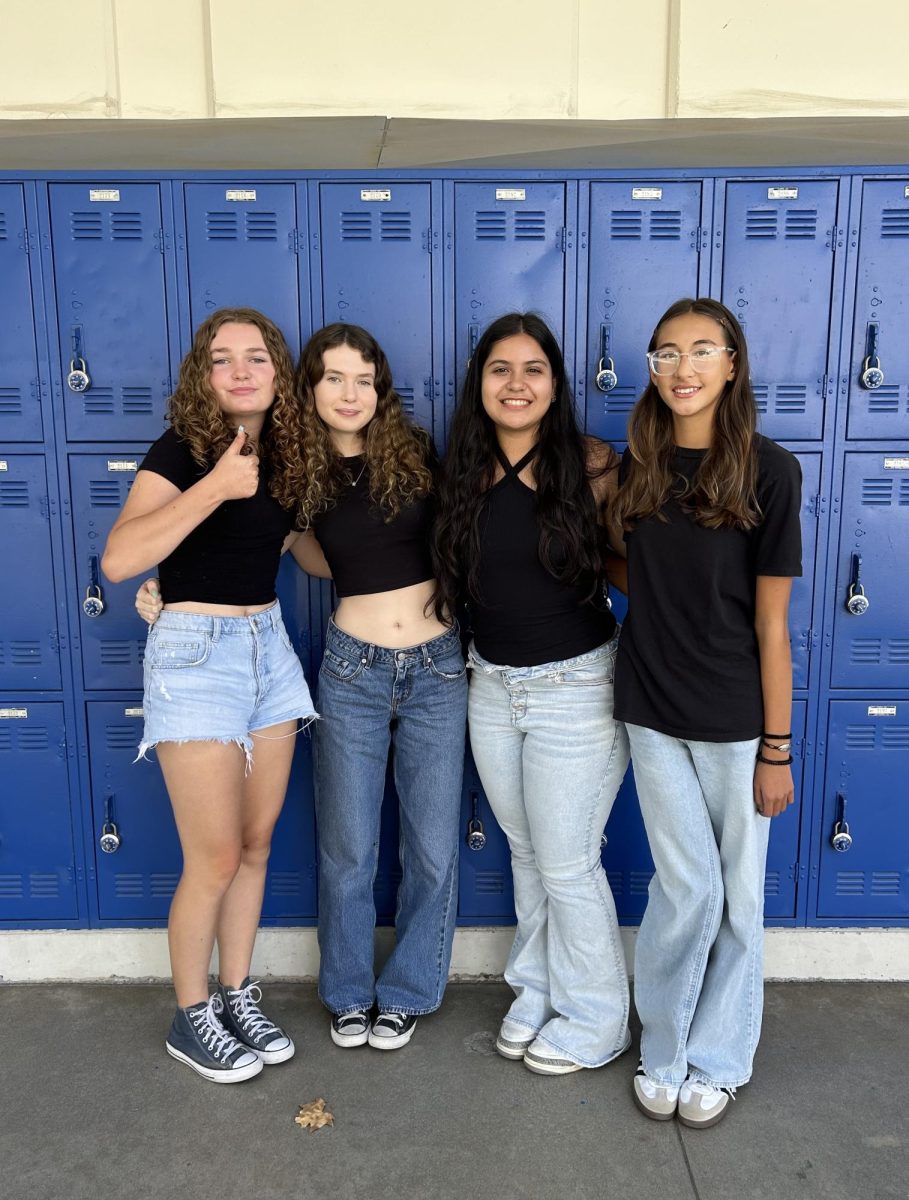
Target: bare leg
{"points": [[264, 789], [205, 783]]}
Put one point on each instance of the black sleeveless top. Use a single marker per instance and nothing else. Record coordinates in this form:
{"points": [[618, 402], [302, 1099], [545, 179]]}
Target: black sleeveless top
{"points": [[366, 553], [525, 617]]}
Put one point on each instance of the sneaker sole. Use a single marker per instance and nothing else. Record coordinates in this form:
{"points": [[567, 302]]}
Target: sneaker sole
{"points": [[378, 1042], [231, 1075], [512, 1054], [541, 1067], [347, 1041], [273, 1057], [713, 1119]]}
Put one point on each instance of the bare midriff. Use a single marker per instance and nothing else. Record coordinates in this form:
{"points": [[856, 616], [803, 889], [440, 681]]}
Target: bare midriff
{"points": [[391, 619], [217, 610]]}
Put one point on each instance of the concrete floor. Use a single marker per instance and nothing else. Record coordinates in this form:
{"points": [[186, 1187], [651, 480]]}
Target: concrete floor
{"points": [[91, 1108]]}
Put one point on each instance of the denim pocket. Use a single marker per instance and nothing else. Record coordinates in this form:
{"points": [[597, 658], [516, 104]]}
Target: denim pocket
{"points": [[285, 637], [167, 652], [450, 666], [340, 668]]}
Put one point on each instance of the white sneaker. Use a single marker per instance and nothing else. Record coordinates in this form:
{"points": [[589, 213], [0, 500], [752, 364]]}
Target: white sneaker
{"points": [[655, 1100], [702, 1104]]}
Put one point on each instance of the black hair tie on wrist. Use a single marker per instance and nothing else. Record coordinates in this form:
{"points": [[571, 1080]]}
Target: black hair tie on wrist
{"points": [[775, 762], [778, 736]]}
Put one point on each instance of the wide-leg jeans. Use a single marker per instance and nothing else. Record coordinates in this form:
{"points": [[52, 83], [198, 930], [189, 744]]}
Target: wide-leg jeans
{"points": [[551, 758], [698, 974], [413, 702]]}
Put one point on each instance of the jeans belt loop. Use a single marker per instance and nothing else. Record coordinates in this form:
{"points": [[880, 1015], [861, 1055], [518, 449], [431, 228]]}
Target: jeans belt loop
{"points": [[370, 654], [427, 657]]}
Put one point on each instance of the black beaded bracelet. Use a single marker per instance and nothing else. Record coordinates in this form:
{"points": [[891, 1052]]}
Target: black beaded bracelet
{"points": [[778, 736], [775, 762]]}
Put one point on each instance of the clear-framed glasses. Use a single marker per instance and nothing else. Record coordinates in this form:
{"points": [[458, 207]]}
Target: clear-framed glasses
{"points": [[704, 358]]}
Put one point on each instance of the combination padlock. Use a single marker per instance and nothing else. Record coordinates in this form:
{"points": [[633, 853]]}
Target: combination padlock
{"points": [[109, 840], [78, 378], [872, 374], [856, 601], [606, 378], [841, 839], [93, 605], [476, 838]]}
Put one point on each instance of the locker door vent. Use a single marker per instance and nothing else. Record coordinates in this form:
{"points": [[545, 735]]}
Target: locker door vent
{"points": [[616, 882], [407, 400], [14, 493], [137, 401], [895, 737], [3, 234], [489, 883], [865, 651], [387, 880], [791, 398], [126, 226], [666, 225], [86, 226], [11, 887], [639, 882], [620, 400], [898, 652], [860, 737], [394, 226], [98, 402], [356, 226], [10, 402], [626, 224], [121, 737], [491, 226], [850, 883], [801, 223], [885, 399], [772, 883], [530, 226], [24, 654], [33, 739], [116, 654], [221, 226], [895, 223], [904, 490], [6, 738], [886, 883], [287, 884], [261, 226], [104, 493], [43, 886], [128, 886], [761, 223], [877, 492], [163, 885]]}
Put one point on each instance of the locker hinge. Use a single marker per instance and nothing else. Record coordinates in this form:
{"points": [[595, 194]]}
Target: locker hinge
{"points": [[430, 240], [295, 241], [798, 873], [159, 241], [44, 508], [54, 640], [816, 505], [564, 238]]}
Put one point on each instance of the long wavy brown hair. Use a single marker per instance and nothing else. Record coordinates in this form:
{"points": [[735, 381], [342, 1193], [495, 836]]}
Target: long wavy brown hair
{"points": [[397, 452], [723, 489], [196, 416]]}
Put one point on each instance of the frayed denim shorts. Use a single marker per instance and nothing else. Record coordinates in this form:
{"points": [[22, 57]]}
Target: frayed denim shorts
{"points": [[220, 679]]}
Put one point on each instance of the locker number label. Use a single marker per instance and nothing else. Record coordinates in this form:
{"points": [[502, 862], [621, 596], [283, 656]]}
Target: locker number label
{"points": [[133, 712], [240, 194], [896, 464], [647, 193], [4, 466], [122, 464], [13, 714], [906, 192], [511, 193], [96, 194], [881, 710], [782, 193], [375, 193]]}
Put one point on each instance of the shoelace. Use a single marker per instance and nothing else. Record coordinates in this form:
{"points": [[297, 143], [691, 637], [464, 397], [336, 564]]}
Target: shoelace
{"points": [[360, 1017], [393, 1018], [214, 1035], [244, 1004], [707, 1089]]}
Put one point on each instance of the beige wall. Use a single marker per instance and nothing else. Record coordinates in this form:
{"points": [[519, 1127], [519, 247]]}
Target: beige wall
{"points": [[594, 59]]}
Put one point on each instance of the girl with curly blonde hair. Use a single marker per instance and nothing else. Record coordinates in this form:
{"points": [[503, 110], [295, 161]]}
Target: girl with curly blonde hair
{"points": [[224, 690]]}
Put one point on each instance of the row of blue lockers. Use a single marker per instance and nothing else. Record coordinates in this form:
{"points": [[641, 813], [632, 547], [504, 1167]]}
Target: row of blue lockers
{"points": [[108, 279]]}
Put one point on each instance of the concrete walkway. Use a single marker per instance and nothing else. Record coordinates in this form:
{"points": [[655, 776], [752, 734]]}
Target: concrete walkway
{"points": [[91, 1108]]}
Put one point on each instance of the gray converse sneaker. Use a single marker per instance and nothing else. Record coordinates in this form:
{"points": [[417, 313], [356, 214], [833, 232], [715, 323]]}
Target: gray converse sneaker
{"points": [[245, 1020], [198, 1039]]}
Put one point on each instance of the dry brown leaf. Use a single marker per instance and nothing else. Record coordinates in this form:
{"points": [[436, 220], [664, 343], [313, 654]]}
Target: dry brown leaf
{"points": [[313, 1115]]}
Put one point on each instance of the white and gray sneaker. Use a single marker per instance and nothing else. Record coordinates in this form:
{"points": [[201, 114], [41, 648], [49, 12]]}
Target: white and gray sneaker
{"points": [[245, 1020], [703, 1104], [655, 1100], [350, 1029], [198, 1039]]}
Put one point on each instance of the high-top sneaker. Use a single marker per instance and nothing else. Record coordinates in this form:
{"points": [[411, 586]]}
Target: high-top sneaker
{"points": [[198, 1039], [249, 1025]]}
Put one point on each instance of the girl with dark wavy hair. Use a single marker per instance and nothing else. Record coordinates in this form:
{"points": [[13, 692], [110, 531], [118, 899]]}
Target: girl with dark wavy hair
{"points": [[704, 685], [224, 691], [518, 539]]}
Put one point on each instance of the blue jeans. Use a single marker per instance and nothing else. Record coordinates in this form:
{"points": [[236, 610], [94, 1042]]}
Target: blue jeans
{"points": [[551, 759], [698, 966], [372, 699]]}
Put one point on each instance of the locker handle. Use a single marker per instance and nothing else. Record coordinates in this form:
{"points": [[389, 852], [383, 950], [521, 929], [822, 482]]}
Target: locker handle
{"points": [[93, 602], [606, 378], [872, 372], [77, 378], [857, 602], [473, 336], [476, 837], [841, 838], [109, 841]]}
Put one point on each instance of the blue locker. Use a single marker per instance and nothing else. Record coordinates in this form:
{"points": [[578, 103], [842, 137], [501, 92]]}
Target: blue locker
{"points": [[377, 272], [113, 644], [872, 650], [37, 860], [510, 242], [800, 607], [108, 248], [138, 880], [867, 766], [881, 313], [20, 388], [29, 643], [778, 252], [645, 242], [484, 876], [242, 250]]}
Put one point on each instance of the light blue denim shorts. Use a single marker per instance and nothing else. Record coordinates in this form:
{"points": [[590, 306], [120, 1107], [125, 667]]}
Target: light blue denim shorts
{"points": [[220, 679]]}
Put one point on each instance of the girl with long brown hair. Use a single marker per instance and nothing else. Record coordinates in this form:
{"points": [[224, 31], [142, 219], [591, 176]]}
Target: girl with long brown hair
{"points": [[224, 691], [710, 511]]}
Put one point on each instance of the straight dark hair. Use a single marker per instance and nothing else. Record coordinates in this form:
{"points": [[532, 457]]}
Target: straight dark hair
{"points": [[567, 512], [723, 489]]}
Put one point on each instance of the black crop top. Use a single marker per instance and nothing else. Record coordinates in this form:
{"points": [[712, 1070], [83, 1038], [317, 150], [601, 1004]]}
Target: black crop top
{"points": [[368, 554], [525, 617], [232, 556]]}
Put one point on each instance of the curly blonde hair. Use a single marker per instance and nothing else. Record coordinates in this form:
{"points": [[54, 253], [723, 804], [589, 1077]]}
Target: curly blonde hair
{"points": [[195, 414], [398, 453]]}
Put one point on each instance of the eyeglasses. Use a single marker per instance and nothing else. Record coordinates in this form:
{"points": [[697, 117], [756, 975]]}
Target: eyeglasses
{"points": [[666, 362]]}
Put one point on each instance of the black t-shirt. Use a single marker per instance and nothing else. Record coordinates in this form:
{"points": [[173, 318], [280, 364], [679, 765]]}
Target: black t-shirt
{"points": [[688, 662], [368, 554], [232, 556]]}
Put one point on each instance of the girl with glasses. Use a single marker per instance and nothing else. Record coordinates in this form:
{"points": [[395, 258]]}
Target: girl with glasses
{"points": [[710, 510]]}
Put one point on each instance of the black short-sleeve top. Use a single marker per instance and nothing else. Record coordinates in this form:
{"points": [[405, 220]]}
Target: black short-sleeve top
{"points": [[688, 661], [232, 556]]}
